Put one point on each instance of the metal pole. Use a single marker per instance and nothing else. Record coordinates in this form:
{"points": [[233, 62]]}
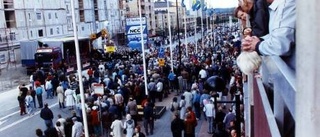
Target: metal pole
{"points": [[177, 9], [195, 32], [238, 123], [185, 31], [143, 52], [202, 24], [170, 37], [84, 113], [94, 29]]}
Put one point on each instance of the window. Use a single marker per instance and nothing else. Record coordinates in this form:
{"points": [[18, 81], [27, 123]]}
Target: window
{"points": [[82, 28], [40, 33], [29, 16], [58, 30], [49, 15], [51, 31], [31, 34], [12, 35], [67, 8], [56, 15], [38, 16]]}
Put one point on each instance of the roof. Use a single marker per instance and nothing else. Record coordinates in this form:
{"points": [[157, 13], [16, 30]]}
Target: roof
{"points": [[63, 39]]}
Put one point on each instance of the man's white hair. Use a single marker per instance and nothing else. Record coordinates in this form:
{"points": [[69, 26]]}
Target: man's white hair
{"points": [[248, 62]]}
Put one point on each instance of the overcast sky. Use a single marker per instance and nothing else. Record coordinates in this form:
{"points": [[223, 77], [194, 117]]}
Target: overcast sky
{"points": [[222, 3]]}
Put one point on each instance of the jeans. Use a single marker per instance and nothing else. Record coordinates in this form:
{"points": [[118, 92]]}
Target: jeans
{"points": [[39, 97], [49, 93], [48, 122], [211, 124], [30, 108], [148, 123]]}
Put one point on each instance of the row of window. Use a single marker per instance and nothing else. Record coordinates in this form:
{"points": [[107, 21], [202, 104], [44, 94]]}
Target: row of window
{"points": [[39, 15]]}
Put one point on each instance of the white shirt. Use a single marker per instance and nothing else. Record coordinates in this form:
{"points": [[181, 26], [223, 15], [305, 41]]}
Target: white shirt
{"points": [[209, 110], [77, 129], [203, 73], [159, 86], [48, 85]]}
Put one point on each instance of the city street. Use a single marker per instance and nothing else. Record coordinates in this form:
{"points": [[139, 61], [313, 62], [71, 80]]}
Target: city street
{"points": [[14, 125]]}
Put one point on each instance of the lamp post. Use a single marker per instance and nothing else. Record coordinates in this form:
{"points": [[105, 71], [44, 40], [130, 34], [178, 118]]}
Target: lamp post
{"points": [[177, 8]]}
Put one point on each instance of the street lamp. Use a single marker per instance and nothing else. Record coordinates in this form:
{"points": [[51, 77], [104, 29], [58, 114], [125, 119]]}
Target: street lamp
{"points": [[178, 34]]}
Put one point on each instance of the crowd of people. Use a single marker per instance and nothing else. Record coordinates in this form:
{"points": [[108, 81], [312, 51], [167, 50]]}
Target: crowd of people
{"points": [[198, 79]]}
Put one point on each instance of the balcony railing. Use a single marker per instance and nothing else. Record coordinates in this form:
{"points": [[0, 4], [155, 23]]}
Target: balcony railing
{"points": [[271, 100]]}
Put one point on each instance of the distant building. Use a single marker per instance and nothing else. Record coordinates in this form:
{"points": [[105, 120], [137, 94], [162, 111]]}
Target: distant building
{"points": [[161, 12], [147, 10]]}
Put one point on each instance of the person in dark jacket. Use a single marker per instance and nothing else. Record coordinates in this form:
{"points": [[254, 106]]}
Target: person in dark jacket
{"points": [[177, 126], [39, 133], [148, 118], [47, 115], [51, 131], [259, 16]]}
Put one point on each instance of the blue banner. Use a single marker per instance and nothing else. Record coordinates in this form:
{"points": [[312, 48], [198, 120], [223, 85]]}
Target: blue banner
{"points": [[133, 31]]}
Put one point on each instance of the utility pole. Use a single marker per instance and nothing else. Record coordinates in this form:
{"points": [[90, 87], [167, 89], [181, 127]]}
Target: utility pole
{"points": [[177, 9]]}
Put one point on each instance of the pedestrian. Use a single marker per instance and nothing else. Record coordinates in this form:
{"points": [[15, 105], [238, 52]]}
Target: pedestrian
{"points": [[50, 131], [182, 107], [39, 133], [60, 94], [29, 103], [70, 98], [128, 126], [48, 88], [174, 107], [132, 109], [116, 127], [39, 91], [138, 132], [148, 118], [177, 125], [210, 113], [60, 129], [47, 115], [77, 128], [190, 126], [22, 106], [33, 95], [159, 92]]}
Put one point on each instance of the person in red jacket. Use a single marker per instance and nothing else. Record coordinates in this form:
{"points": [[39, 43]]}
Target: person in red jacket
{"points": [[95, 120]]}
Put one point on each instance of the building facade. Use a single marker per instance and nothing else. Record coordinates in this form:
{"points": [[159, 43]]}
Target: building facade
{"points": [[147, 10], [161, 11], [34, 19]]}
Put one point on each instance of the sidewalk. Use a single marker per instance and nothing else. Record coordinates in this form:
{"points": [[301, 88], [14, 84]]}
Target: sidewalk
{"points": [[12, 77]]}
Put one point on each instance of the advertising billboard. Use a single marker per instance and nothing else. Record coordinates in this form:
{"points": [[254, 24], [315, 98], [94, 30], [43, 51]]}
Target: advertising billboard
{"points": [[133, 31]]}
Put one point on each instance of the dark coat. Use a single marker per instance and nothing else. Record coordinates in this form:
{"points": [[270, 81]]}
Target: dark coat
{"points": [[259, 18], [177, 126]]}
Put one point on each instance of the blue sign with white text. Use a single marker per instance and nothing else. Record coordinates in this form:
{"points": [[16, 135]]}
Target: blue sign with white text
{"points": [[133, 31]]}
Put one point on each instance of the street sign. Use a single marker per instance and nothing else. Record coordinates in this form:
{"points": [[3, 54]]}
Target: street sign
{"points": [[133, 31], [161, 62], [110, 49]]}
